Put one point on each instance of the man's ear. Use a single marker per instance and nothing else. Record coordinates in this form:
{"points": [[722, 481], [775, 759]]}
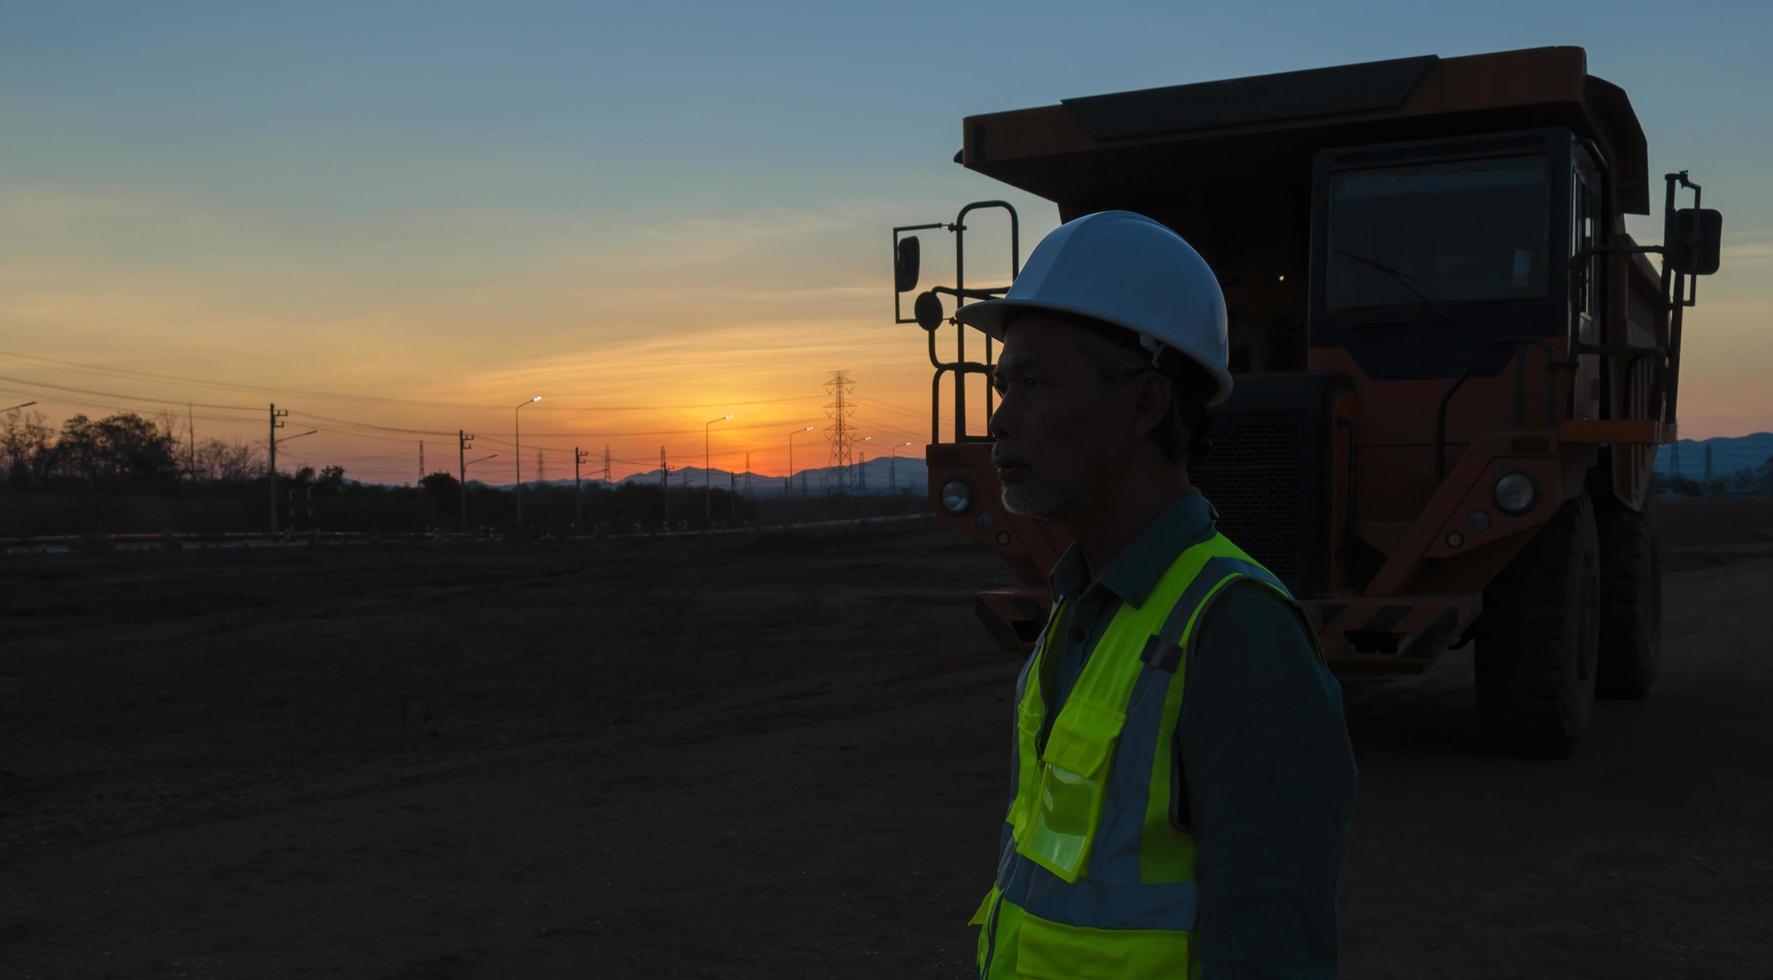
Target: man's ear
{"points": [[1151, 402]]}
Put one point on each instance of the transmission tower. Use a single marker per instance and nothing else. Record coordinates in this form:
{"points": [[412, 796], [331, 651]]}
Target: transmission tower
{"points": [[606, 480], [839, 412]]}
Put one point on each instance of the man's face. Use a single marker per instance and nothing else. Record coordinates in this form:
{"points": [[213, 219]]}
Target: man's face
{"points": [[1059, 428]]}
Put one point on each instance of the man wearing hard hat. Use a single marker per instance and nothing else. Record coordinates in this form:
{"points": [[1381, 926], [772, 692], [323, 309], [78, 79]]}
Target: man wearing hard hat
{"points": [[1183, 780]]}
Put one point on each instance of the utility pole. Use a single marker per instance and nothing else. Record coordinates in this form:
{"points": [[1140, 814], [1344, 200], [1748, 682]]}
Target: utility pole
{"points": [[664, 492], [606, 480], [733, 497], [579, 456], [421, 461], [271, 460], [464, 442], [191, 435]]}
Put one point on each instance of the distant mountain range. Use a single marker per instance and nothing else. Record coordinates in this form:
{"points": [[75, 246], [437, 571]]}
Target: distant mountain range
{"points": [[873, 477], [1729, 454]]}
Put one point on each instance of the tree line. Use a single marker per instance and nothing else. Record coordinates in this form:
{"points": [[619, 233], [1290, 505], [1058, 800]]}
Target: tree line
{"points": [[119, 453]]}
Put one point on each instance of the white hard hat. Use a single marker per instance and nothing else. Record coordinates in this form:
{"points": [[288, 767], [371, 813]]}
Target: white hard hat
{"points": [[1130, 271]]}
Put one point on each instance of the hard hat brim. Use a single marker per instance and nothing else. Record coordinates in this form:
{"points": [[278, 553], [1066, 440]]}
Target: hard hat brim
{"points": [[989, 315]]}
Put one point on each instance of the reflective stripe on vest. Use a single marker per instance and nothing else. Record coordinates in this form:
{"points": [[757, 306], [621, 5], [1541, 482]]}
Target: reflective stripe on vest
{"points": [[1093, 878]]}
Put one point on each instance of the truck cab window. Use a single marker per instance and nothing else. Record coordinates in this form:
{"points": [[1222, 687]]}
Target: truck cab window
{"points": [[1439, 233]]}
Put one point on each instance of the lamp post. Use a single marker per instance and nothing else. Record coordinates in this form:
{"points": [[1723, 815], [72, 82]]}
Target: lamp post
{"points": [[463, 495], [791, 436], [15, 408], [271, 444], [517, 439], [893, 470], [708, 475], [861, 465]]}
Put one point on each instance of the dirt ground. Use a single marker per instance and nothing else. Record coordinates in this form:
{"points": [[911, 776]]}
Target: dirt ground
{"points": [[775, 756]]}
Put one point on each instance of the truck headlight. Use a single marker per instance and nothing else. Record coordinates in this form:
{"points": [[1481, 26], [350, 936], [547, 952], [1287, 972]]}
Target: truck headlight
{"points": [[1515, 493], [957, 496]]}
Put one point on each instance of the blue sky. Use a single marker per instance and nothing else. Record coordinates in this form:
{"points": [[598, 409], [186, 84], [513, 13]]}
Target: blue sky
{"points": [[455, 203]]}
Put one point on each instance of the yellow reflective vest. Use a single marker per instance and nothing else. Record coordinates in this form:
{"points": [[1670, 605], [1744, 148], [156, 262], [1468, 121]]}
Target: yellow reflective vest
{"points": [[1093, 878]]}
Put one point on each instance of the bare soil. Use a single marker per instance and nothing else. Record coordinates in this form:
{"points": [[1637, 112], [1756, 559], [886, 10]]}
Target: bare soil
{"points": [[769, 756]]}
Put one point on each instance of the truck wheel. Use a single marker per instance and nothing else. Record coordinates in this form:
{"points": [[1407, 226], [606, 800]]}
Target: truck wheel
{"points": [[1631, 603], [1538, 637]]}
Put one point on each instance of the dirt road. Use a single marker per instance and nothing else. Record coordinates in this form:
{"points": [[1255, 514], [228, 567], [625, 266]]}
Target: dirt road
{"points": [[781, 757]]}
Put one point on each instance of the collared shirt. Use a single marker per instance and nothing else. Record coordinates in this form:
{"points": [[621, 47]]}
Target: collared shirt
{"points": [[1262, 749]]}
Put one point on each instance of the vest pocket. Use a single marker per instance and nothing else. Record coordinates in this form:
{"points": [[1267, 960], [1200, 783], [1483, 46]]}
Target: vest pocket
{"points": [[1054, 951], [1067, 808]]}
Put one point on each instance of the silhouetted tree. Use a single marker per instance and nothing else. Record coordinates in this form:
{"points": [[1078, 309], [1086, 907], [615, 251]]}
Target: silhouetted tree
{"points": [[25, 449], [233, 461], [119, 452]]}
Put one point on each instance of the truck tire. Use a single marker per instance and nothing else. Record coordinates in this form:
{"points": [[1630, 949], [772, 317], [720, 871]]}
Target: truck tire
{"points": [[1538, 637], [1631, 603]]}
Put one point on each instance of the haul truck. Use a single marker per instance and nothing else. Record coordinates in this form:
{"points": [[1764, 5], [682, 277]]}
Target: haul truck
{"points": [[1453, 366]]}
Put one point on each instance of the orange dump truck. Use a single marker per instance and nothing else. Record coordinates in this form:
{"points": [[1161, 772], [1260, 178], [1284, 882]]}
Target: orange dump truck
{"points": [[1453, 366]]}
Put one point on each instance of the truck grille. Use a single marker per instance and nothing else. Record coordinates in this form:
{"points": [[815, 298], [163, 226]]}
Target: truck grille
{"points": [[1252, 477]]}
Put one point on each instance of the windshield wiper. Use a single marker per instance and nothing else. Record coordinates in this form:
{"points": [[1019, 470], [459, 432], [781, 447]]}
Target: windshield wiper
{"points": [[1404, 279]]}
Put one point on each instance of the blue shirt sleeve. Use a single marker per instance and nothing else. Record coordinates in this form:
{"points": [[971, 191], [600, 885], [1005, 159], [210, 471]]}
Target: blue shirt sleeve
{"points": [[1270, 784]]}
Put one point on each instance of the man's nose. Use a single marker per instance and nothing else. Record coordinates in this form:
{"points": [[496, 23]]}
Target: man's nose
{"points": [[997, 426]]}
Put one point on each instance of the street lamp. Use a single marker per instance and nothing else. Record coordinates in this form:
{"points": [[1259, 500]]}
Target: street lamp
{"points": [[271, 444], [517, 439], [462, 491], [862, 466], [791, 436], [18, 406], [707, 474], [893, 470]]}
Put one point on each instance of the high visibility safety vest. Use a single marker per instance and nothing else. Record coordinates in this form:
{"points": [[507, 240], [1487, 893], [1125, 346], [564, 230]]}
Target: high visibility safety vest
{"points": [[1093, 878]]}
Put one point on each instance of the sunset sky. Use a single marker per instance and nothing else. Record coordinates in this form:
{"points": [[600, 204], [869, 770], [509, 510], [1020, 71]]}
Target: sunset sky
{"points": [[412, 216]]}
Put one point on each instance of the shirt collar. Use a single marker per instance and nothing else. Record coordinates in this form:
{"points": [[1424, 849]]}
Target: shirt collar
{"points": [[1133, 574]]}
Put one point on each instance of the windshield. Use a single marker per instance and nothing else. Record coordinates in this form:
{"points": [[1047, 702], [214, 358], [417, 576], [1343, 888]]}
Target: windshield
{"points": [[1438, 233]]}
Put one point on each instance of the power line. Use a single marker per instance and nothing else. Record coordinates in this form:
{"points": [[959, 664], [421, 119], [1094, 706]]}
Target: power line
{"points": [[372, 425], [117, 408], [130, 398]]}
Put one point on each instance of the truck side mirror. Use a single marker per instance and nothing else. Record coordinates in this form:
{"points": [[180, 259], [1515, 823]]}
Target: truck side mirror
{"points": [[905, 264], [1693, 241]]}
